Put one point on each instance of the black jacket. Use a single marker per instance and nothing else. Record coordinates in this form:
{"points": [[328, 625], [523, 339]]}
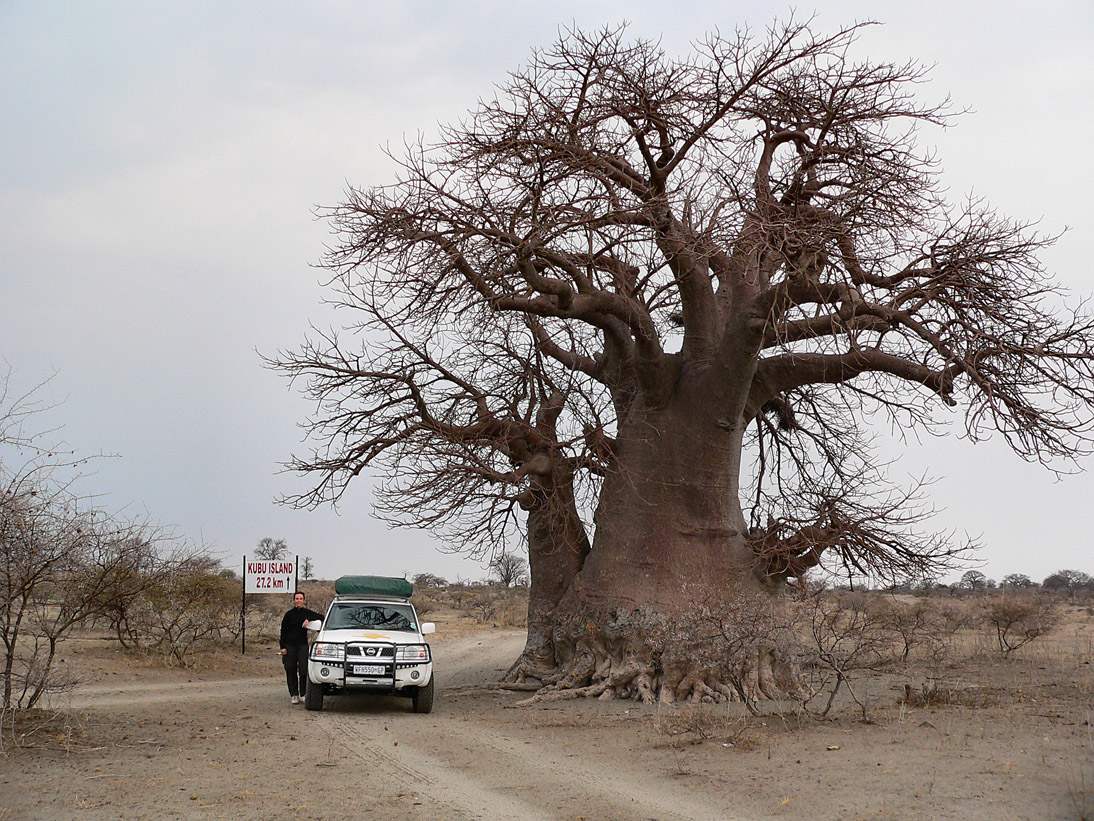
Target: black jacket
{"points": [[292, 626]]}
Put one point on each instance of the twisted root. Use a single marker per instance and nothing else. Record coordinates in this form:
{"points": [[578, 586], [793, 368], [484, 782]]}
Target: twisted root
{"points": [[642, 657]]}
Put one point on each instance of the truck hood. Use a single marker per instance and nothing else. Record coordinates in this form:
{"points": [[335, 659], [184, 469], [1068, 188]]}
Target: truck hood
{"points": [[393, 636]]}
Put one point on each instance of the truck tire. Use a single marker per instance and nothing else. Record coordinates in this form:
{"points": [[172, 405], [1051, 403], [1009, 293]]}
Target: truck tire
{"points": [[423, 698], [313, 696]]}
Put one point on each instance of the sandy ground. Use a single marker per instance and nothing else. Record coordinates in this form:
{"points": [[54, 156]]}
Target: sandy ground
{"points": [[224, 742]]}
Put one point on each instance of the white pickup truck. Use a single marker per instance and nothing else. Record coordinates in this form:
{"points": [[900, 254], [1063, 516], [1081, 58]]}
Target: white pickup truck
{"points": [[371, 642]]}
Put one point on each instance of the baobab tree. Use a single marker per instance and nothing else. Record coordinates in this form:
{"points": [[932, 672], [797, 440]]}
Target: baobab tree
{"points": [[657, 303], [510, 569], [271, 549]]}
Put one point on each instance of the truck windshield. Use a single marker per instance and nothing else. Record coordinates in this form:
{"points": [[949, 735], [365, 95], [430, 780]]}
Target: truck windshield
{"points": [[349, 616]]}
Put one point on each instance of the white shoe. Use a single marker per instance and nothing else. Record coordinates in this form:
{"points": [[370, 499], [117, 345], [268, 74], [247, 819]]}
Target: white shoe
{"points": [[295, 699]]}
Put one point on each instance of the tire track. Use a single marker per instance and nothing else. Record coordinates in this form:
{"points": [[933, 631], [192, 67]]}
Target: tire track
{"points": [[485, 772], [128, 695], [480, 768], [421, 772]]}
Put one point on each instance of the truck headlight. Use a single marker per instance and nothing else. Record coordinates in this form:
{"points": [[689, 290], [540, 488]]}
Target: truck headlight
{"points": [[412, 652], [326, 651]]}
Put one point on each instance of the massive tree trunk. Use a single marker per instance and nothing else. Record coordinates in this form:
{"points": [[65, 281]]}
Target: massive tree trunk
{"points": [[669, 525], [557, 547], [670, 561]]}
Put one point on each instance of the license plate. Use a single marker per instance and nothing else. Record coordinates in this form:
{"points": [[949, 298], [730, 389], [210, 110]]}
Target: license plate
{"points": [[368, 669]]}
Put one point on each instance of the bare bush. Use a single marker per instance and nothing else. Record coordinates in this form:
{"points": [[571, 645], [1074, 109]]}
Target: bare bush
{"points": [[914, 624], [953, 616], [485, 606], [514, 610], [500, 606], [1017, 619], [427, 598], [937, 693], [190, 608], [845, 635], [457, 593], [140, 566], [63, 560]]}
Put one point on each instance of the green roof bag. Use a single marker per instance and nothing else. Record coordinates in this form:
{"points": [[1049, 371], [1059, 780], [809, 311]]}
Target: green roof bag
{"points": [[373, 586]]}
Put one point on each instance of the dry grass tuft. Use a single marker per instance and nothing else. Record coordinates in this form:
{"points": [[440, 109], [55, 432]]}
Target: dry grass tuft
{"points": [[61, 730], [935, 694], [696, 723]]}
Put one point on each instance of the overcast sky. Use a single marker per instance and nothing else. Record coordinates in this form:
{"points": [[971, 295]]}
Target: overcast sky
{"points": [[161, 161]]}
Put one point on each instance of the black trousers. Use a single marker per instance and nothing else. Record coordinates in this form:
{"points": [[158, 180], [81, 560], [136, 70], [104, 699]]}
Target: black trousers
{"points": [[296, 668]]}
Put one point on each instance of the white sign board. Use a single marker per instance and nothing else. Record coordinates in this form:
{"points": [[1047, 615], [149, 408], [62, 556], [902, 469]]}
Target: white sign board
{"points": [[260, 576]]}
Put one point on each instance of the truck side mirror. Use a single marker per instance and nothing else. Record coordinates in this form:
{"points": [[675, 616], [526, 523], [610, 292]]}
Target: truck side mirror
{"points": [[428, 627], [315, 624]]}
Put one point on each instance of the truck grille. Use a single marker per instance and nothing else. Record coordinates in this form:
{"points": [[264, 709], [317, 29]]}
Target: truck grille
{"points": [[361, 651]]}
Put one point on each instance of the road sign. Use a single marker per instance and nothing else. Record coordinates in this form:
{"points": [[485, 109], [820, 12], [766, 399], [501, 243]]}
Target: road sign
{"points": [[277, 576]]}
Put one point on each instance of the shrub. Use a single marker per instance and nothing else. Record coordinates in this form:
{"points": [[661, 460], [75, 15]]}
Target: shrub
{"points": [[1018, 619], [953, 615], [845, 635], [185, 610], [695, 723], [913, 624]]}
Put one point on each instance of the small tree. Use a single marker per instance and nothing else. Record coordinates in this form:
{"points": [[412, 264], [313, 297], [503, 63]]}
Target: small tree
{"points": [[59, 559], [845, 636], [1016, 581], [509, 569], [485, 605], [307, 570], [1018, 619], [953, 616], [915, 623], [270, 550], [191, 606], [139, 566], [63, 560], [177, 599]]}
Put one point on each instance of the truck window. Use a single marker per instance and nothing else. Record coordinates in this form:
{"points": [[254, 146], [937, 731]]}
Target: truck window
{"points": [[348, 616]]}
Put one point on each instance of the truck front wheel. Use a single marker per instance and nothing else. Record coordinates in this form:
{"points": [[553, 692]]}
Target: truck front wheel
{"points": [[313, 696], [423, 698]]}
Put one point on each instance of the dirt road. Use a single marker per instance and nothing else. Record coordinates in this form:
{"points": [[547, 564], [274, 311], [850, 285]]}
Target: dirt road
{"points": [[233, 747], [258, 757]]}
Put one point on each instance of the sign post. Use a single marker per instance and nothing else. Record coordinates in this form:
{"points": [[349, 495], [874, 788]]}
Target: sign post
{"points": [[265, 576]]}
